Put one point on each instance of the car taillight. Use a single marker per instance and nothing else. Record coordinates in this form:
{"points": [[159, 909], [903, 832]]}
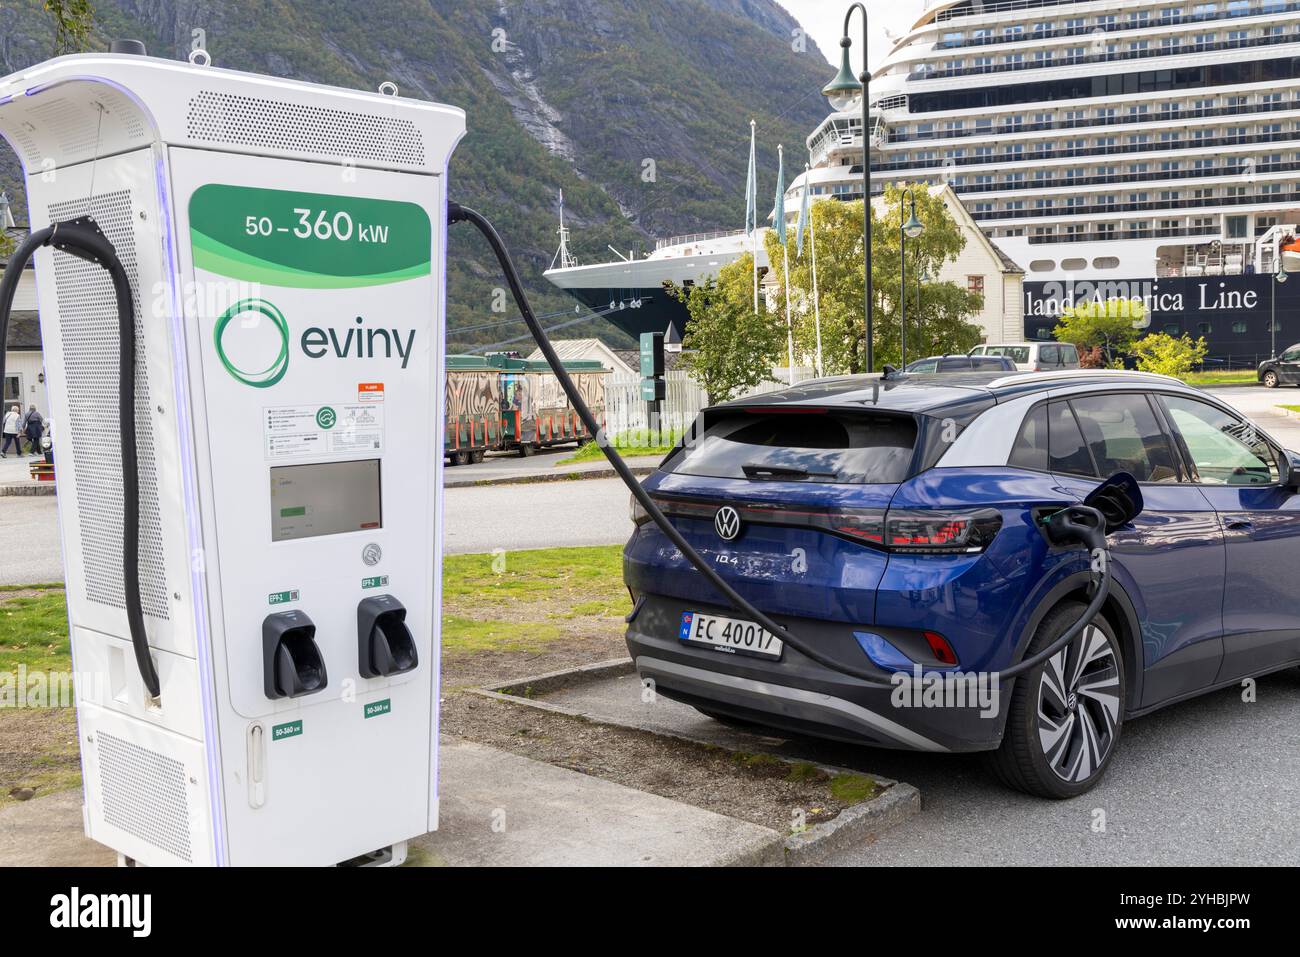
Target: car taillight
{"points": [[638, 514], [909, 531], [927, 532]]}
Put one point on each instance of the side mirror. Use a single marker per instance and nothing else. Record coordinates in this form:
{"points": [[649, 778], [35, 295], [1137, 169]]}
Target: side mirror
{"points": [[1119, 499], [1291, 469]]}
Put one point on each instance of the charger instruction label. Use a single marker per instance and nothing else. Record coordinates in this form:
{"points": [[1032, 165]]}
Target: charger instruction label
{"points": [[323, 429]]}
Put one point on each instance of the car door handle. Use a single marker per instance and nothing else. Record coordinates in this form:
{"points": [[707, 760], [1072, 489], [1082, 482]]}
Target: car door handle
{"points": [[1240, 525]]}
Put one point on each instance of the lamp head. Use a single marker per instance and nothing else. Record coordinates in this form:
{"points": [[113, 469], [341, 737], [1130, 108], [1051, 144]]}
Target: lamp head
{"points": [[844, 91]]}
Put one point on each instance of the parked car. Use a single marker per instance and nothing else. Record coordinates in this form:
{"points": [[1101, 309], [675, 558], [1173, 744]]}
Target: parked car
{"points": [[858, 521], [960, 364], [1034, 356], [1281, 370]]}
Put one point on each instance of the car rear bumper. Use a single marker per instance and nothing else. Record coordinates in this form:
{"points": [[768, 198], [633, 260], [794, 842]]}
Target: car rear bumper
{"points": [[796, 693]]}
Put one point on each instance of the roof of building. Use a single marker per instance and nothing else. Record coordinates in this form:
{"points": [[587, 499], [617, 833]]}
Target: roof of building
{"points": [[24, 332], [575, 349]]}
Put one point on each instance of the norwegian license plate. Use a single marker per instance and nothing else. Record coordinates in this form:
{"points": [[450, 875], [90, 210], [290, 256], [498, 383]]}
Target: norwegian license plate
{"points": [[729, 634]]}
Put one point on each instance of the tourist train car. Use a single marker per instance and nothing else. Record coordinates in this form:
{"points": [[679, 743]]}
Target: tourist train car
{"points": [[535, 413], [504, 403], [473, 412]]}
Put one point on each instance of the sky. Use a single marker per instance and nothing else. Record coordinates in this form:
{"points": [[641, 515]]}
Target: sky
{"points": [[824, 21]]}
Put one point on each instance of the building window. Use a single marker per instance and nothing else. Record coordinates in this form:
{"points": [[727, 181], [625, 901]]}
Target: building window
{"points": [[975, 284]]}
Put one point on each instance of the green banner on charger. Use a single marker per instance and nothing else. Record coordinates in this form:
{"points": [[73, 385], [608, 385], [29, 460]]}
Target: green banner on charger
{"points": [[308, 240]]}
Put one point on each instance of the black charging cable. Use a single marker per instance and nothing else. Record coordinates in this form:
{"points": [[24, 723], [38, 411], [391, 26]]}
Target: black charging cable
{"points": [[83, 238], [1077, 523]]}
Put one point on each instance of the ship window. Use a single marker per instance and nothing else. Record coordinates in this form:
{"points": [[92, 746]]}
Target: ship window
{"points": [[1105, 262], [1172, 329], [1203, 328], [1074, 265], [1239, 327], [1042, 265]]}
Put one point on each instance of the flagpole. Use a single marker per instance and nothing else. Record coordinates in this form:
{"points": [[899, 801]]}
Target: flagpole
{"points": [[785, 251], [751, 222], [817, 306]]}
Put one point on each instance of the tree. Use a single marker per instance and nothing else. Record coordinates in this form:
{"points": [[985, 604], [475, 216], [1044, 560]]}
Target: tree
{"points": [[942, 324], [1111, 326], [727, 347], [1168, 355], [7, 246], [73, 22]]}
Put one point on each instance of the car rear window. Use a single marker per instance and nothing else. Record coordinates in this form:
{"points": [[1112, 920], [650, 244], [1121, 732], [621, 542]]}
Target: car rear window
{"points": [[1014, 353], [832, 447]]}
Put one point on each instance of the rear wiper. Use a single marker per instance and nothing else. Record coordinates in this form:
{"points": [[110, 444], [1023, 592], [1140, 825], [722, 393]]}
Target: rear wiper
{"points": [[755, 471]]}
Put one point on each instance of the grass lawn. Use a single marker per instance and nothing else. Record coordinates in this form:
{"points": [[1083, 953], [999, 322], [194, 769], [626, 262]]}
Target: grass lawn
{"points": [[38, 746], [1239, 377], [504, 616], [627, 444]]}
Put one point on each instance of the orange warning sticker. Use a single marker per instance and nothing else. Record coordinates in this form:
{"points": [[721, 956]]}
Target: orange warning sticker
{"points": [[370, 392]]}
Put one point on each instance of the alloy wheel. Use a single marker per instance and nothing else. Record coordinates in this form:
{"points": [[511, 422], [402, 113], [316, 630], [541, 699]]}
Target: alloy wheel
{"points": [[1078, 706]]}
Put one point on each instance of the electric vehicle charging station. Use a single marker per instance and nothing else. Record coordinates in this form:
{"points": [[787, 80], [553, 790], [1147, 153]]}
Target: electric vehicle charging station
{"points": [[285, 245]]}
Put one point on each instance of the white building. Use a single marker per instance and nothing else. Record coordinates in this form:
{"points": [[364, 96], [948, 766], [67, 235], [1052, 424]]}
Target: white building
{"points": [[24, 379]]}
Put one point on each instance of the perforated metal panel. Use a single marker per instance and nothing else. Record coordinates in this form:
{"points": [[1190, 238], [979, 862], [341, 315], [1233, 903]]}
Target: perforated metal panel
{"points": [[143, 792], [88, 322], [274, 124]]}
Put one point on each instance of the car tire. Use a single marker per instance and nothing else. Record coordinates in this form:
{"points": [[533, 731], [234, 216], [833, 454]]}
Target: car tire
{"points": [[1269, 379], [476, 456], [456, 458], [1064, 720]]}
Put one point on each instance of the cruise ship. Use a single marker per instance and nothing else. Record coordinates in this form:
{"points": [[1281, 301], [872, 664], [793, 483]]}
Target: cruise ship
{"points": [[1150, 152]]}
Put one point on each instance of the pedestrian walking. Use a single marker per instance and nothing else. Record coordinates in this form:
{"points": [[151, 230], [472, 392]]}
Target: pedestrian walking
{"points": [[34, 426], [10, 430]]}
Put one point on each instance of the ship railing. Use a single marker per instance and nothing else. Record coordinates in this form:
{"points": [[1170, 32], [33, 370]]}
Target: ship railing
{"points": [[1156, 116], [697, 238], [1164, 20], [1181, 233], [926, 73], [1162, 146]]}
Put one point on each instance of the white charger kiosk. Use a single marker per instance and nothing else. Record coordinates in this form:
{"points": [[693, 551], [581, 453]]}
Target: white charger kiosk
{"points": [[285, 244]]}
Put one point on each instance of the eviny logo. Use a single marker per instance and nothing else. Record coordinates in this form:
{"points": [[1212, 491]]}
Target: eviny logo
{"points": [[258, 361]]}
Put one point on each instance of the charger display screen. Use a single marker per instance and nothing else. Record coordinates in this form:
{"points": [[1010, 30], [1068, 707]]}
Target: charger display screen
{"points": [[329, 498]]}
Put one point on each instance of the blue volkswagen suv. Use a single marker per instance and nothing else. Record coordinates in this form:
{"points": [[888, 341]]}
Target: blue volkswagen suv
{"points": [[898, 525]]}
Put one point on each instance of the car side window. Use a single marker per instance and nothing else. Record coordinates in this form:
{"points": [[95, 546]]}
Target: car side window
{"points": [[1066, 451], [1291, 355], [1030, 449], [927, 365], [1224, 449], [955, 365], [1125, 436]]}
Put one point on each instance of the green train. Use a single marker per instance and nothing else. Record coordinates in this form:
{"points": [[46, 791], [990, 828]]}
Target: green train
{"points": [[501, 403]]}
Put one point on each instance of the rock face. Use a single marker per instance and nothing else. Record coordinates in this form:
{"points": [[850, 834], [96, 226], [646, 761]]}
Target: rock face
{"points": [[638, 111]]}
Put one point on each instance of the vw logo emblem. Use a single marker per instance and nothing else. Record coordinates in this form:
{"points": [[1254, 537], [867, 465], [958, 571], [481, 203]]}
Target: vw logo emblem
{"points": [[1072, 701], [727, 523]]}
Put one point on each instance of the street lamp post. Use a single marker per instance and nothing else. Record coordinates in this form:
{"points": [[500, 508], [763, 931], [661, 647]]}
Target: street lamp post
{"points": [[842, 92], [1278, 277], [911, 228]]}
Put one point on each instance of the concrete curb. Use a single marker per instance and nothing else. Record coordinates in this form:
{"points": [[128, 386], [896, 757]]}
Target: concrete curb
{"points": [[27, 488], [854, 825], [638, 470]]}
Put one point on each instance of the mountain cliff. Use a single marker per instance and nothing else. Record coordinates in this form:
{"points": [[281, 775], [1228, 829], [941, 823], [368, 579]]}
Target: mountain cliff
{"points": [[639, 112]]}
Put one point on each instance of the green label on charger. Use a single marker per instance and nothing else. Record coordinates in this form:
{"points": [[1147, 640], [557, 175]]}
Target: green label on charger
{"points": [[290, 730], [280, 597], [308, 240], [379, 581], [376, 708]]}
